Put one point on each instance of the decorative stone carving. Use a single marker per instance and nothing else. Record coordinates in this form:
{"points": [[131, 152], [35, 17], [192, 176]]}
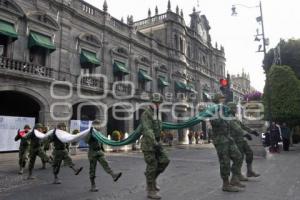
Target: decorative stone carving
{"points": [[12, 7], [120, 51], [90, 39], [43, 19]]}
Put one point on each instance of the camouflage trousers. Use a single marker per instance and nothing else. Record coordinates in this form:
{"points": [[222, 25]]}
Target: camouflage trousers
{"points": [[227, 152], [23, 151], [97, 156], [156, 163], [58, 157], [245, 150], [33, 153]]}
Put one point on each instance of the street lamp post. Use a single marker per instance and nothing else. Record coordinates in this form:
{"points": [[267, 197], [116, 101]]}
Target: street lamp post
{"points": [[265, 44]]}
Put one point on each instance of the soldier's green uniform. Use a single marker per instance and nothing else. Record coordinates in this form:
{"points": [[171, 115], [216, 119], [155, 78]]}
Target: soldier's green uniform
{"points": [[154, 155], [238, 132], [95, 154], [23, 149], [35, 150], [227, 151], [60, 154]]}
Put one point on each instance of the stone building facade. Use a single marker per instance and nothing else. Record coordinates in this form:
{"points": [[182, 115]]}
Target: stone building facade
{"points": [[56, 56], [241, 85]]}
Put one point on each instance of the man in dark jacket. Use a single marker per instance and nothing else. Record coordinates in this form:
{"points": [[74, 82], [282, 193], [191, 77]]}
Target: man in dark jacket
{"points": [[274, 137], [286, 132]]}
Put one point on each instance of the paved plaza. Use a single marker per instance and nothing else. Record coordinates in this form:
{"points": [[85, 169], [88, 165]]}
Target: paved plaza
{"points": [[193, 174]]}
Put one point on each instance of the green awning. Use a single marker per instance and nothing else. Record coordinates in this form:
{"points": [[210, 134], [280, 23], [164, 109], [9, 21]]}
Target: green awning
{"points": [[39, 40], [191, 88], [180, 86], [120, 67], [89, 58], [162, 82], [8, 29], [144, 76]]}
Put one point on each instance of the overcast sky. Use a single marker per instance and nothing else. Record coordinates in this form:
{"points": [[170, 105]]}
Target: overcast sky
{"points": [[236, 34]]}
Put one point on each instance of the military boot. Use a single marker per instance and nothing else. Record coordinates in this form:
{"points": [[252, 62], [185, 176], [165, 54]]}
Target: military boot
{"points": [[229, 188], [76, 171], [236, 182], [93, 185], [156, 187], [56, 180], [250, 172], [242, 178], [116, 176], [21, 170], [30, 177], [152, 193]]}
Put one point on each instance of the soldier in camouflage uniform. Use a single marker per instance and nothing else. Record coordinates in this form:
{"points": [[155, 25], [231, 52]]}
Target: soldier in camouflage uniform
{"points": [[226, 150], [60, 154], [239, 131], [95, 155], [35, 149], [154, 155], [23, 149], [45, 146]]}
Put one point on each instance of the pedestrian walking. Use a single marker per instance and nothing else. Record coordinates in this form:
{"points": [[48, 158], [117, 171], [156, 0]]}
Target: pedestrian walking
{"points": [[274, 138], [190, 136], [197, 136], [286, 133]]}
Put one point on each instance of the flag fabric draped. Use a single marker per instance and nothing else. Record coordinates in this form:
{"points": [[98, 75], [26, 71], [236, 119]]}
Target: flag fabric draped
{"points": [[66, 137]]}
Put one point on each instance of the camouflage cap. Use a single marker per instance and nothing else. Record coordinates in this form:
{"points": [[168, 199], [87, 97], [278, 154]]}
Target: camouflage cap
{"points": [[38, 125], [61, 125], [27, 126], [156, 98]]}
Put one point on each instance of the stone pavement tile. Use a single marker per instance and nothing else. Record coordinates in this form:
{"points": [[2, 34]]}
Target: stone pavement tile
{"points": [[193, 174]]}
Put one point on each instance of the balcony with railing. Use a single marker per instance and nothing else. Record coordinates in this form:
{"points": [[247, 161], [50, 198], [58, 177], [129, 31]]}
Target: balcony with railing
{"points": [[120, 89], [88, 10], [91, 82], [18, 67], [31, 71], [150, 21]]}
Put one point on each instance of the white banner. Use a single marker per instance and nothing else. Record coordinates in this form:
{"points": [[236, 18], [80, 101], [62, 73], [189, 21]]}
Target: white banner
{"points": [[8, 130], [80, 126]]}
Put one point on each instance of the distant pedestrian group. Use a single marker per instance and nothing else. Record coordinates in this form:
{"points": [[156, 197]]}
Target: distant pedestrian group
{"points": [[276, 134]]}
